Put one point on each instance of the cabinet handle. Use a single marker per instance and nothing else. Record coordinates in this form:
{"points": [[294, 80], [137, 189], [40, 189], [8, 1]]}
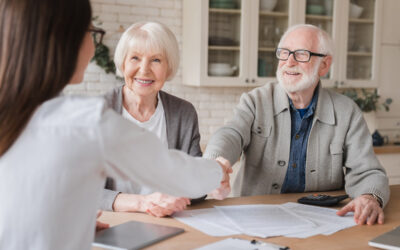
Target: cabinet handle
{"points": [[247, 80], [253, 80]]}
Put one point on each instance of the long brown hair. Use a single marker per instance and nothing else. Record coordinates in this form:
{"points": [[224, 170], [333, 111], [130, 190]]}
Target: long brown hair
{"points": [[39, 46]]}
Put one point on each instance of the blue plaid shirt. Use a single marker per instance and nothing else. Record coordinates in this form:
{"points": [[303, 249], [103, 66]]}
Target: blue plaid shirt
{"points": [[301, 127]]}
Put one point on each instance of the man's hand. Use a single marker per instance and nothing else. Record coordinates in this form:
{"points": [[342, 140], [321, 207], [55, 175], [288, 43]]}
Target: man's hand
{"points": [[223, 191], [366, 210], [160, 205], [100, 225]]}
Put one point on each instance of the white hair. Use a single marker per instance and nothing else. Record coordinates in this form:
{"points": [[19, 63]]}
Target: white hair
{"points": [[150, 37], [325, 42]]}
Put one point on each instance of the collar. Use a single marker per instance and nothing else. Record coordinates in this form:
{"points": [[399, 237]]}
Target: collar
{"points": [[324, 108], [280, 100], [310, 109]]}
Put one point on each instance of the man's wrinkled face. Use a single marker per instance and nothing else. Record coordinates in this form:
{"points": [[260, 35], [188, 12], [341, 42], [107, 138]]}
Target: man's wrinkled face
{"points": [[297, 76]]}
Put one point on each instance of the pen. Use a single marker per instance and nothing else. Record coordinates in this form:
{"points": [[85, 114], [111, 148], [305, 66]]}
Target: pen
{"points": [[260, 243]]}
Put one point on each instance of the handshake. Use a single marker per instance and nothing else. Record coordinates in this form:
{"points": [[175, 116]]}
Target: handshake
{"points": [[225, 188]]}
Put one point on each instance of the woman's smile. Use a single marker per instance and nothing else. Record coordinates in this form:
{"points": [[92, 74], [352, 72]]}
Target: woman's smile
{"points": [[143, 82]]}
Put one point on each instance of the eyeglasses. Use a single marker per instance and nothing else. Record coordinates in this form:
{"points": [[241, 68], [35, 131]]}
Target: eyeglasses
{"points": [[97, 34], [300, 55]]}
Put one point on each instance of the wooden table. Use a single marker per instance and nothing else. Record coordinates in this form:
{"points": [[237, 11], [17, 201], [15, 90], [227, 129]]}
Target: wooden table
{"points": [[387, 149], [356, 237]]}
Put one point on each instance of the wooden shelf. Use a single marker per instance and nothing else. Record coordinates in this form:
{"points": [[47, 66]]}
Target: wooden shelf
{"points": [[387, 149], [229, 48], [225, 11], [361, 20], [319, 17], [273, 13], [266, 49], [359, 53]]}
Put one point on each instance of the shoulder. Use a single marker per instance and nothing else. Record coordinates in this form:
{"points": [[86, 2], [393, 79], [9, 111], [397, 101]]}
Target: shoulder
{"points": [[71, 111], [341, 102], [259, 98], [262, 92], [175, 104]]}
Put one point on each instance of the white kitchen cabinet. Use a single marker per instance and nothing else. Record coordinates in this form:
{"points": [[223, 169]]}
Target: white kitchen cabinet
{"points": [[357, 40], [389, 80], [391, 164], [391, 20], [228, 35], [389, 122], [244, 36]]}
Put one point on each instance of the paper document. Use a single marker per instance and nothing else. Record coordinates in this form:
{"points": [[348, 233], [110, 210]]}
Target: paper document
{"points": [[325, 219], [207, 225], [265, 220], [289, 220]]}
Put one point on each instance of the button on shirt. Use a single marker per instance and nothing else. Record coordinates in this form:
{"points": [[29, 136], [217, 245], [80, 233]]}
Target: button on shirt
{"points": [[301, 126]]}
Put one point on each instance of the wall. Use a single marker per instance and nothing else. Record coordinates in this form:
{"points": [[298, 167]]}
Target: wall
{"points": [[214, 105]]}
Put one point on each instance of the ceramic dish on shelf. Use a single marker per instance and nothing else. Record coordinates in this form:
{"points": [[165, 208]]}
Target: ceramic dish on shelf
{"points": [[355, 11], [221, 69], [268, 5], [223, 4], [315, 9]]}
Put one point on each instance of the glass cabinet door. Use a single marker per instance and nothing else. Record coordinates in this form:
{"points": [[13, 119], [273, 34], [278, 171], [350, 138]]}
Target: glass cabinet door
{"points": [[224, 34], [320, 14], [360, 40], [273, 22]]}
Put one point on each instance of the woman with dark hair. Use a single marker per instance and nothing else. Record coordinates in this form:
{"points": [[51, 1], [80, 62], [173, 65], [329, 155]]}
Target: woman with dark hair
{"points": [[56, 151]]}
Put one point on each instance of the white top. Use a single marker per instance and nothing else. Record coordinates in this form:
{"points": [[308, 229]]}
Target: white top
{"points": [[52, 177], [157, 125]]}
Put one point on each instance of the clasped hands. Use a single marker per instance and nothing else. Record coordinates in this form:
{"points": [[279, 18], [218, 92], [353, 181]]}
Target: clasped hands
{"points": [[159, 205], [225, 188]]}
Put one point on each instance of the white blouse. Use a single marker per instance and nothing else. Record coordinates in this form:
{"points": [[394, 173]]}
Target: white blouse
{"points": [[158, 126], [53, 176]]}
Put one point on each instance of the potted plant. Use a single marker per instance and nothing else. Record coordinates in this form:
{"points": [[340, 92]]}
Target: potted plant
{"points": [[368, 101], [102, 54]]}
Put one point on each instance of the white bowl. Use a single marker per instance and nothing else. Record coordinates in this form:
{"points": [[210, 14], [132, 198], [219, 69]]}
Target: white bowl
{"points": [[268, 5], [221, 69], [355, 11], [220, 65]]}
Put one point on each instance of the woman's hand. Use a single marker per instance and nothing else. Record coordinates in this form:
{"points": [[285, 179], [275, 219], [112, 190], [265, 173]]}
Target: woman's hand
{"points": [[160, 205], [156, 204], [100, 225]]}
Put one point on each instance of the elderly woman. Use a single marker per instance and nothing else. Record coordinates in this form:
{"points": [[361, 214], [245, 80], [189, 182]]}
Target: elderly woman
{"points": [[146, 56]]}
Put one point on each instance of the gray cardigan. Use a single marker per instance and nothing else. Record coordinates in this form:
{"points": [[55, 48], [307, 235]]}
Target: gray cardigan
{"points": [[182, 129], [339, 150]]}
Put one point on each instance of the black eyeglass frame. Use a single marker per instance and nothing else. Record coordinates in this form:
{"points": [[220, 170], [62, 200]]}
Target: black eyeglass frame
{"points": [[95, 31], [294, 54]]}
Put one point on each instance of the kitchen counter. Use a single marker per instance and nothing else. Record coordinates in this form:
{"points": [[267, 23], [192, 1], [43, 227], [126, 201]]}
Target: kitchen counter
{"points": [[387, 149]]}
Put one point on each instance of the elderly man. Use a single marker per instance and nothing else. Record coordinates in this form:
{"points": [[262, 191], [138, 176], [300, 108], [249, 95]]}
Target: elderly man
{"points": [[297, 136]]}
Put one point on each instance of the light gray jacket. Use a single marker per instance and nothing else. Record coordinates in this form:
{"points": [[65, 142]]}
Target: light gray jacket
{"points": [[182, 129], [339, 150]]}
